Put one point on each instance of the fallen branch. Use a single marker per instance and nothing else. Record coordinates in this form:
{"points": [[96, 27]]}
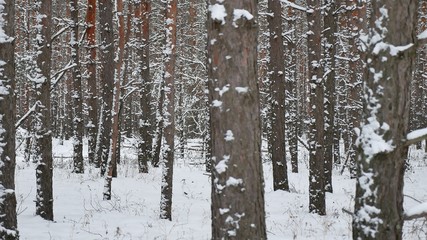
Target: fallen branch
{"points": [[415, 136], [418, 211]]}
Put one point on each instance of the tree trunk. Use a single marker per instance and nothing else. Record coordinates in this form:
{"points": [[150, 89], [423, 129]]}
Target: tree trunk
{"points": [[107, 78], [169, 114], [381, 161], [8, 220], [43, 138], [277, 95], [145, 144], [77, 91], [291, 87], [236, 127], [330, 27], [316, 130], [92, 89]]}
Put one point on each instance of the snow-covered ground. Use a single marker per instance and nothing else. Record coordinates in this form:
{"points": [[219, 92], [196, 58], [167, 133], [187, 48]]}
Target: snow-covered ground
{"points": [[133, 212]]}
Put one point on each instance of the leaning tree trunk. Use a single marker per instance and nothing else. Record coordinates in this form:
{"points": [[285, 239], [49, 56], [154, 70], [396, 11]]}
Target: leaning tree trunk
{"points": [[8, 222], [391, 54], [237, 177]]}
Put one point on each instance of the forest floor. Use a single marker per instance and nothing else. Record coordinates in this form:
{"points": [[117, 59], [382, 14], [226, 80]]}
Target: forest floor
{"points": [[133, 212]]}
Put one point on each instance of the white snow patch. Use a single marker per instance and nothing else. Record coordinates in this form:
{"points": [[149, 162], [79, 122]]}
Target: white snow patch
{"points": [[218, 13], [221, 166], [229, 136], [416, 134], [233, 182], [239, 13], [242, 89], [417, 210]]}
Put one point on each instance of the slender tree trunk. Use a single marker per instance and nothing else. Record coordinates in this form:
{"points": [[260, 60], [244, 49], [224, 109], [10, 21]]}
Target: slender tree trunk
{"points": [[237, 177], [145, 144], [169, 114], [381, 161], [316, 130], [92, 89], [291, 87], [8, 220], [43, 142], [115, 134], [330, 27], [77, 91], [107, 77], [277, 95]]}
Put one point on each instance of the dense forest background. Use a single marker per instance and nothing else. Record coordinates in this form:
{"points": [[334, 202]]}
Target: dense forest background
{"points": [[326, 88]]}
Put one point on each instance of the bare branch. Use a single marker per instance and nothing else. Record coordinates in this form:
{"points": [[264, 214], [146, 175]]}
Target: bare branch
{"points": [[26, 115]]}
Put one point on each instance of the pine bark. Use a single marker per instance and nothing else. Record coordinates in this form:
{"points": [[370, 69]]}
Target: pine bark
{"points": [[237, 177], [330, 27], [107, 80], [77, 91], [316, 110], [8, 220], [92, 80], [381, 160], [169, 114], [277, 95], [292, 90], [145, 144], [43, 134]]}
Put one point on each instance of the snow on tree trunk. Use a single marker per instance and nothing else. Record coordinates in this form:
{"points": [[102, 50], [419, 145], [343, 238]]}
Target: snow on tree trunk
{"points": [[92, 89], [8, 223], [78, 165], [237, 177], [107, 78], [390, 58], [43, 134], [277, 97], [329, 49], [169, 113], [316, 109], [145, 142], [291, 90]]}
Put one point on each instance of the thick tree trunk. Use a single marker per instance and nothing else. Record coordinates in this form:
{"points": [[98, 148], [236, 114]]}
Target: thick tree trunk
{"points": [[43, 134], [277, 95], [8, 220], [316, 110], [381, 161], [77, 91], [237, 177]]}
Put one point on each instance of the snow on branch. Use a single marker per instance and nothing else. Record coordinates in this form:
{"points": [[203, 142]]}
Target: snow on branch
{"points": [[416, 136], [26, 115], [418, 211], [296, 6]]}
